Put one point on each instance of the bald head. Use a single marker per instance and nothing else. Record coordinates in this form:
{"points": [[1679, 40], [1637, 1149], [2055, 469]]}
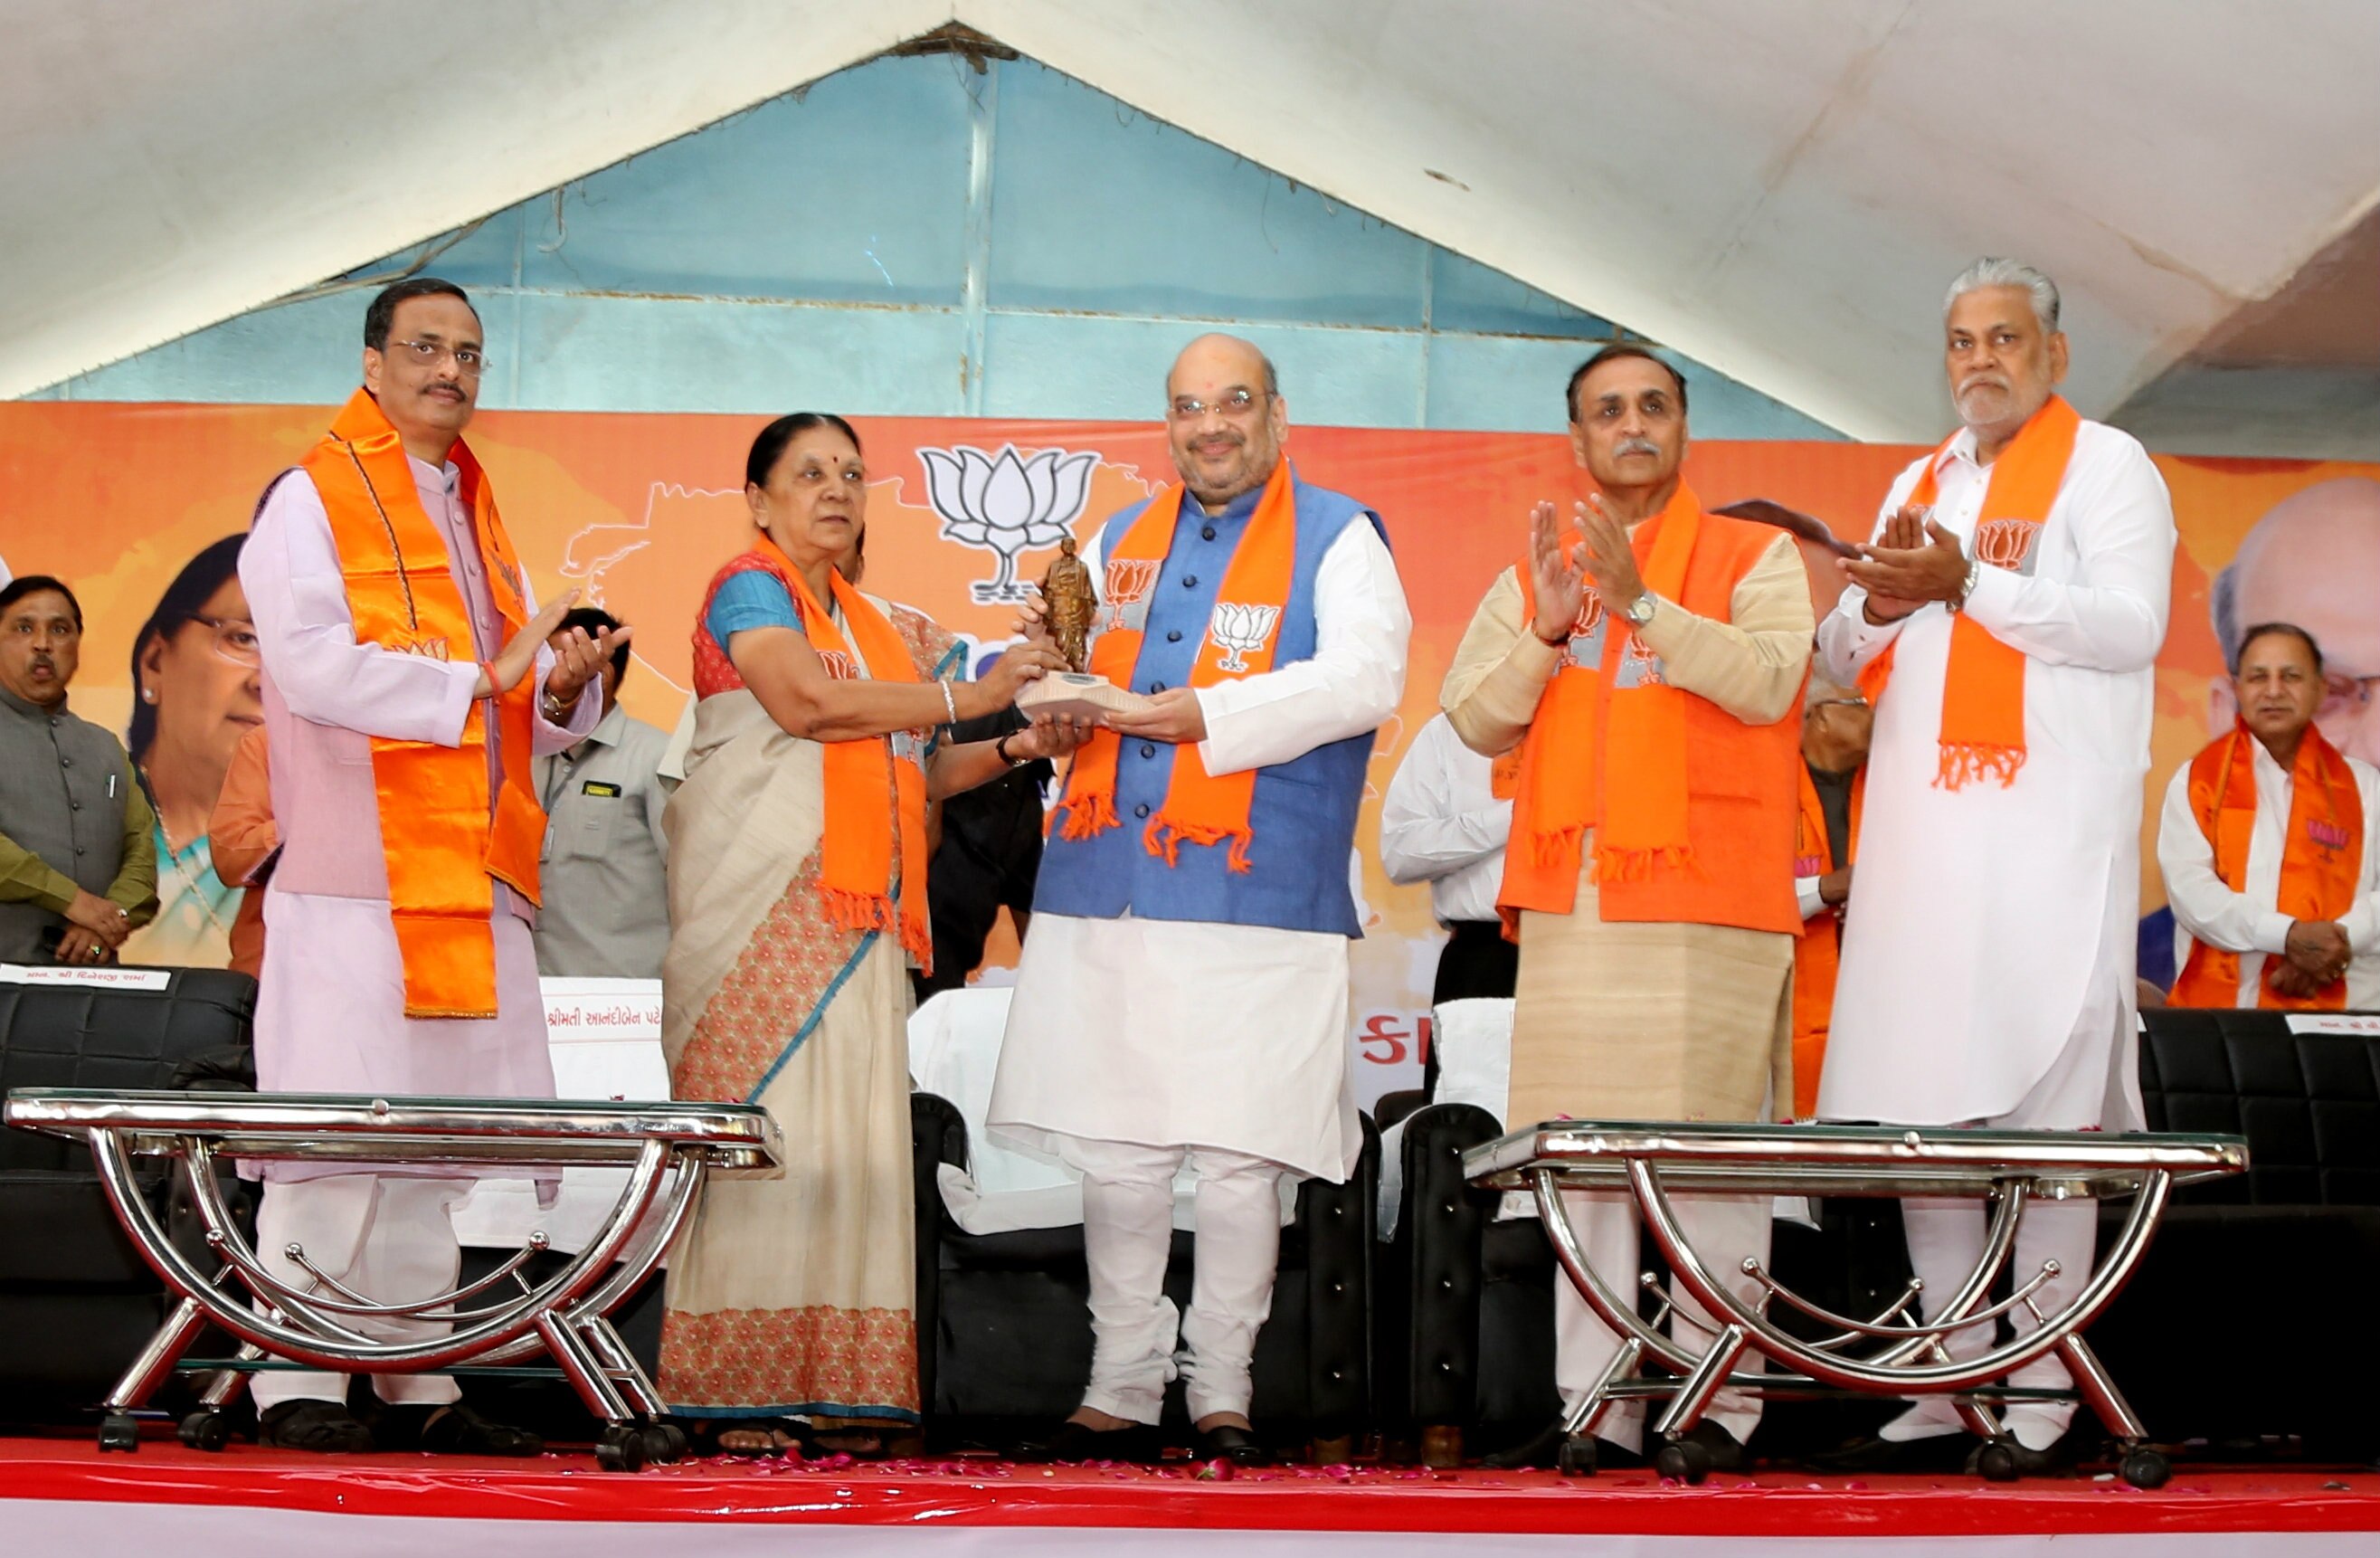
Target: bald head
{"points": [[2314, 560], [1225, 419]]}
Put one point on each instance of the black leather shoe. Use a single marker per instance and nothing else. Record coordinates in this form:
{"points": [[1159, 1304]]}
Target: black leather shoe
{"points": [[1226, 1442], [451, 1430], [324, 1428], [1573, 1454], [1701, 1450], [1072, 1443], [2006, 1458]]}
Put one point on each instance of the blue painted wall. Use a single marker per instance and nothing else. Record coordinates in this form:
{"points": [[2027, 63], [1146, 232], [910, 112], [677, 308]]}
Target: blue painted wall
{"points": [[910, 238]]}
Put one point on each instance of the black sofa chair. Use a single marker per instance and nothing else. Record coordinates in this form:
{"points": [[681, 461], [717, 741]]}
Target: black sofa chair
{"points": [[1003, 1323], [76, 1301], [2291, 1247]]}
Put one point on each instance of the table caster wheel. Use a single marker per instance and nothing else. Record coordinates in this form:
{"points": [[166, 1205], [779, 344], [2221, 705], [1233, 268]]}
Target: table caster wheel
{"points": [[118, 1431], [1575, 1456], [205, 1429], [621, 1448], [664, 1443], [1997, 1463], [1687, 1462], [2145, 1468]]}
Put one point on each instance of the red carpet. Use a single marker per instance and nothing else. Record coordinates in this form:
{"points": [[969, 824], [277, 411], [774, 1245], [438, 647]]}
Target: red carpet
{"points": [[63, 1495]]}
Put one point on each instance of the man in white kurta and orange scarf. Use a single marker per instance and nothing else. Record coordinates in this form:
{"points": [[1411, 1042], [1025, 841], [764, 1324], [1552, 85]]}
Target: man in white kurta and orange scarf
{"points": [[1184, 989], [2005, 622], [2265, 843], [407, 684]]}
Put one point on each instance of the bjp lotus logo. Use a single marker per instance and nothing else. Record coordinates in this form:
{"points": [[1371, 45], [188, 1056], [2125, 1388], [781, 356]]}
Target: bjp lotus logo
{"points": [[1238, 630], [1006, 504], [2005, 543]]}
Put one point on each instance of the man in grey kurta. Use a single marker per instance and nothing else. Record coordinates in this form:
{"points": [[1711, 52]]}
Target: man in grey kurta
{"points": [[77, 865]]}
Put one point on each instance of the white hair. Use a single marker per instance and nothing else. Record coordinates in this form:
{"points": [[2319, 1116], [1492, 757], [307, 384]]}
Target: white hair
{"points": [[2038, 288]]}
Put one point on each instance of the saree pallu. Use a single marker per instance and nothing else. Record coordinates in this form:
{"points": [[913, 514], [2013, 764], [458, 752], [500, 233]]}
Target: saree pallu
{"points": [[792, 1296]]}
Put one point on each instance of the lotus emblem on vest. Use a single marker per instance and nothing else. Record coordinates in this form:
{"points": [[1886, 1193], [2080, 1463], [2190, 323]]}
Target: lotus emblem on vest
{"points": [[1238, 630], [838, 666], [1006, 504], [2004, 542], [1128, 583]]}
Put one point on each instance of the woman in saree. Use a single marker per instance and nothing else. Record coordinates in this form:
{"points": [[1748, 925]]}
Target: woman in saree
{"points": [[796, 882]]}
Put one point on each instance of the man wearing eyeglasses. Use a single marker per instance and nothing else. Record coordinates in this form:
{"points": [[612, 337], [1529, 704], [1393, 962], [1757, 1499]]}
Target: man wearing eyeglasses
{"points": [[407, 683], [1183, 989], [78, 868]]}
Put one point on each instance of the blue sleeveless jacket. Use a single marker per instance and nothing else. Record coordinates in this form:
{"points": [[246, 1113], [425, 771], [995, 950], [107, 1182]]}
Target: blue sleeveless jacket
{"points": [[1303, 814]]}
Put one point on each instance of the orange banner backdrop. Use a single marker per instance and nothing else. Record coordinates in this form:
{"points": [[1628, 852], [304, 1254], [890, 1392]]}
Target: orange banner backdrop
{"points": [[638, 510]]}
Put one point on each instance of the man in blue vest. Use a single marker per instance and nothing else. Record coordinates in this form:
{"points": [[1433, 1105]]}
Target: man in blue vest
{"points": [[1182, 991]]}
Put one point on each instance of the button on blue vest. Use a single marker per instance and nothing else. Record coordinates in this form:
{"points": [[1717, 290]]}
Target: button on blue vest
{"points": [[1304, 812]]}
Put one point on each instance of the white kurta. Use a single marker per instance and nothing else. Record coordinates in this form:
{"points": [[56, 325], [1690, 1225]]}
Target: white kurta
{"points": [[1173, 1033], [1440, 822], [2246, 922], [330, 1007], [1989, 918]]}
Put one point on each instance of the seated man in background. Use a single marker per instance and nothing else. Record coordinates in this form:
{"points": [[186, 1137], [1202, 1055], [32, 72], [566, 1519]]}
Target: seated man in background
{"points": [[606, 910], [1836, 723], [2265, 844], [77, 865]]}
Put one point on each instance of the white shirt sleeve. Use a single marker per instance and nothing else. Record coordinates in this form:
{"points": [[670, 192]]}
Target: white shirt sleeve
{"points": [[1354, 681], [306, 635], [2362, 924], [1847, 641], [1806, 889], [2202, 905], [2113, 616], [1427, 832]]}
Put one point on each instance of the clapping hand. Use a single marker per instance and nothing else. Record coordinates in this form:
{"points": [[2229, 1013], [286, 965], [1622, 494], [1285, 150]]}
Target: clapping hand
{"points": [[1912, 561], [1560, 579], [1611, 561]]}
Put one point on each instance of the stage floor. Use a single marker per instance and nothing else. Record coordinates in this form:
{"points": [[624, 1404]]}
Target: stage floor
{"points": [[62, 1495]]}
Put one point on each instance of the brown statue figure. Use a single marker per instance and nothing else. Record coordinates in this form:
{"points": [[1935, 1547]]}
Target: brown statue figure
{"points": [[1071, 600]]}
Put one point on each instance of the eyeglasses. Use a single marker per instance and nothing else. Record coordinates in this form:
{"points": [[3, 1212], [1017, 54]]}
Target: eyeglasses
{"points": [[235, 639], [469, 361], [1239, 403]]}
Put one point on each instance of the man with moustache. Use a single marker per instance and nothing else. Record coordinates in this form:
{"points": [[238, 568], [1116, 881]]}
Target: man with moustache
{"points": [[1647, 660], [78, 868], [2265, 843], [2005, 622], [2313, 561], [407, 683], [1183, 989]]}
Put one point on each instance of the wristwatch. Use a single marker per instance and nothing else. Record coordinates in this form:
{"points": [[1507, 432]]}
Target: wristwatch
{"points": [[556, 711], [1967, 587], [1640, 610], [999, 750]]}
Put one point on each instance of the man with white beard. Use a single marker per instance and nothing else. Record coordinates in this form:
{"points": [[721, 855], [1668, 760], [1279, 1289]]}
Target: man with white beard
{"points": [[2005, 622]]}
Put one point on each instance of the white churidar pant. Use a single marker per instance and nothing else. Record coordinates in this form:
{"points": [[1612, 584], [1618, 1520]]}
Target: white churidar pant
{"points": [[390, 1237], [1723, 1230], [1127, 1233]]}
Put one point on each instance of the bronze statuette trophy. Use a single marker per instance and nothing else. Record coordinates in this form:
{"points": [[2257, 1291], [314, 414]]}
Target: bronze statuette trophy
{"points": [[1071, 601]]}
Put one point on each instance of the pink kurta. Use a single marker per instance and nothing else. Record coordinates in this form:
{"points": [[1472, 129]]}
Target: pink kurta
{"points": [[329, 1012]]}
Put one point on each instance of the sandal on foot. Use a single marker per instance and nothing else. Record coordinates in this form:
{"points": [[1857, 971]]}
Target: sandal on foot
{"points": [[706, 1437], [324, 1428], [452, 1430]]}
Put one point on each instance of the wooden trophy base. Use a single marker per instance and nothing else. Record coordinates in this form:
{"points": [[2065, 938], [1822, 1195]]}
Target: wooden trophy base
{"points": [[1077, 695]]}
